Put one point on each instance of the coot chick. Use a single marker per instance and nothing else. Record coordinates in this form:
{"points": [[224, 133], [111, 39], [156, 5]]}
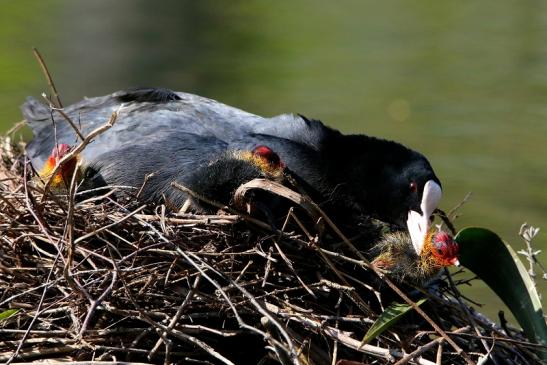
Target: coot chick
{"points": [[395, 254], [216, 180], [63, 176], [172, 134]]}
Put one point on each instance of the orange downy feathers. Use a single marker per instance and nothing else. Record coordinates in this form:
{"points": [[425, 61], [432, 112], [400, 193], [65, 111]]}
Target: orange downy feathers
{"points": [[396, 254], [265, 159], [64, 174]]}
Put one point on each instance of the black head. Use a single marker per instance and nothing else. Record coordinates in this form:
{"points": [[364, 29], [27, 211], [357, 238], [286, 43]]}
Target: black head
{"points": [[403, 187], [388, 179]]}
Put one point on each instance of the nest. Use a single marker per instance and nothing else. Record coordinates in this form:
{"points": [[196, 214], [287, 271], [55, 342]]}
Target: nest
{"points": [[101, 277]]}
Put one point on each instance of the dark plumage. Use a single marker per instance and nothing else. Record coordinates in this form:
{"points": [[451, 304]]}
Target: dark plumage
{"points": [[175, 135]]}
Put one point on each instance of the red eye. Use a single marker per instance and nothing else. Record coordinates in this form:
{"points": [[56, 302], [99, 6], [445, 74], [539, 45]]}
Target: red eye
{"points": [[413, 186]]}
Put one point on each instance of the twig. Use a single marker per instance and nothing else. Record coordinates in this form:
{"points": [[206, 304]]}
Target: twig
{"points": [[420, 350], [65, 116], [48, 76], [104, 228], [462, 305], [216, 219], [452, 212], [177, 315], [331, 224], [42, 296], [347, 341], [75, 151]]}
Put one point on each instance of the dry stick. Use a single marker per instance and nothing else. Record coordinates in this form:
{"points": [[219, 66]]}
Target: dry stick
{"points": [[466, 310], [95, 232], [93, 362], [309, 205], [396, 289], [70, 226], [43, 352], [193, 340], [164, 329], [64, 115], [439, 360], [301, 225], [268, 266], [69, 229], [286, 259], [191, 258], [48, 76], [446, 220], [142, 314], [177, 315], [451, 213], [336, 326], [80, 147], [9, 205], [290, 351], [246, 217], [276, 188], [291, 267], [95, 303], [69, 233], [243, 271], [499, 339], [30, 202], [420, 350], [28, 291], [313, 211], [343, 338], [44, 291], [61, 333], [16, 127], [146, 178], [216, 219]]}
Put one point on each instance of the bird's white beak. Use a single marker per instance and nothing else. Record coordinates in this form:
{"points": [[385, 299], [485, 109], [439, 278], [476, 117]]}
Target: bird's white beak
{"points": [[418, 225]]}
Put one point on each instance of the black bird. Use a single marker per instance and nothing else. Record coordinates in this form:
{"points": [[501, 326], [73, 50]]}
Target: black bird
{"points": [[174, 134]]}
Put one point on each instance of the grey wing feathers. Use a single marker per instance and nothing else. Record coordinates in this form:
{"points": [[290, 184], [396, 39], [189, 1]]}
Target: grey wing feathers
{"points": [[87, 114], [145, 121], [296, 128], [35, 113]]}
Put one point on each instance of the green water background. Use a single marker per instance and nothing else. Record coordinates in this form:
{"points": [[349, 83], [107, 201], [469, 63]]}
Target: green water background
{"points": [[463, 82]]}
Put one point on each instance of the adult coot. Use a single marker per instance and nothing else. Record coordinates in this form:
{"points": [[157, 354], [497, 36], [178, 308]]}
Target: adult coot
{"points": [[171, 135]]}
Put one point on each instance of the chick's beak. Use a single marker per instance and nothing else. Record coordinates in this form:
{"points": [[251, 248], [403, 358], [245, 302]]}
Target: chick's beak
{"points": [[418, 225]]}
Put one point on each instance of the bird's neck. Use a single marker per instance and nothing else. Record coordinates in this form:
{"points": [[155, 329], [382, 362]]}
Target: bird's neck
{"points": [[349, 157], [345, 164]]}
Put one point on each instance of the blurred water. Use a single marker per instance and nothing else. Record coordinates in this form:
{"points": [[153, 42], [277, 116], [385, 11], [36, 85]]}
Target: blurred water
{"points": [[464, 82]]}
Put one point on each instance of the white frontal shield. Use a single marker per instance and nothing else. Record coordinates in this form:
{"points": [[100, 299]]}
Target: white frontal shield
{"points": [[418, 225]]}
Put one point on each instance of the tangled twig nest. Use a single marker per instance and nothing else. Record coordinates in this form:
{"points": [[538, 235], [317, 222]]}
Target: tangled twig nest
{"points": [[101, 277]]}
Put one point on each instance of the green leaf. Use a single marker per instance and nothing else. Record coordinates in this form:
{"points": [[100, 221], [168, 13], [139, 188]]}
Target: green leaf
{"points": [[8, 313], [496, 263], [388, 318]]}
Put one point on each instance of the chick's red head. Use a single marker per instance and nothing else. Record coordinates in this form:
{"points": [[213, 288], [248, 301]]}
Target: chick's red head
{"points": [[268, 156], [59, 151], [445, 249], [64, 173]]}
